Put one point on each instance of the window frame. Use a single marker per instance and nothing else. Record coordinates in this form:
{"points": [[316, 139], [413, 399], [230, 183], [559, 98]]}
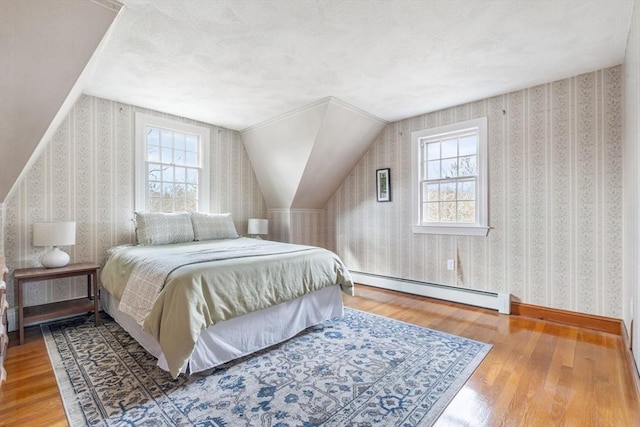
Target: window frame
{"points": [[142, 120], [481, 226]]}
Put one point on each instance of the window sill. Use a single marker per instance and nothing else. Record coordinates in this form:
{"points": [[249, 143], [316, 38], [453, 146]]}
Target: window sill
{"points": [[451, 230]]}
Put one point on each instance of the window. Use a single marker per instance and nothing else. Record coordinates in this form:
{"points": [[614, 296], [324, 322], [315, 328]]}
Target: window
{"points": [[449, 179], [172, 172]]}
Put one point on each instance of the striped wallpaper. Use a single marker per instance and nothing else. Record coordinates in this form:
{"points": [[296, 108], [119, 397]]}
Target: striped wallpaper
{"points": [[85, 173], [300, 226], [555, 182]]}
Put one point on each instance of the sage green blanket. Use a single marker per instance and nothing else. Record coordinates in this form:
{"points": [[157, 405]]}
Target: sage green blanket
{"points": [[243, 275]]}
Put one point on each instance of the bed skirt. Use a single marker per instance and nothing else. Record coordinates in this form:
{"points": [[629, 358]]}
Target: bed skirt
{"points": [[234, 338]]}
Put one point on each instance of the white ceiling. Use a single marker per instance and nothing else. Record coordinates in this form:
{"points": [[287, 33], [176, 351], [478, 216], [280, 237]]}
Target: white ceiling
{"points": [[237, 63]]}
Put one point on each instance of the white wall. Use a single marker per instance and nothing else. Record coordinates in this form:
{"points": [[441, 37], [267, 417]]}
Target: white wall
{"points": [[631, 197], [45, 47]]}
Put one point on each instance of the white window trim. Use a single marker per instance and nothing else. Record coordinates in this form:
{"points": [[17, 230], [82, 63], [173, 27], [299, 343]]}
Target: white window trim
{"points": [[481, 228], [140, 185]]}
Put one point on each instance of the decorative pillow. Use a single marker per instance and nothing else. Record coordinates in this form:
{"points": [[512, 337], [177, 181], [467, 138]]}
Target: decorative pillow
{"points": [[213, 226], [159, 228]]}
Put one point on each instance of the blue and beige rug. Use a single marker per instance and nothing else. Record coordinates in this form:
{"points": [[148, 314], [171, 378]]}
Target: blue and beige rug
{"points": [[358, 370]]}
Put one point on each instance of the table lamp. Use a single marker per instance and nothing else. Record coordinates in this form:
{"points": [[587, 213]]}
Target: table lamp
{"points": [[256, 227], [54, 234]]}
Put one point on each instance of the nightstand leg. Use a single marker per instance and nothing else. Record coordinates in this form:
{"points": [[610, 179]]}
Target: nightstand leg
{"points": [[94, 283], [20, 312]]}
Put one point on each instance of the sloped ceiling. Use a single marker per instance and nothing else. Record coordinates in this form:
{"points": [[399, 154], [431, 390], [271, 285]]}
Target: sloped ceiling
{"points": [[302, 157], [44, 48], [238, 63]]}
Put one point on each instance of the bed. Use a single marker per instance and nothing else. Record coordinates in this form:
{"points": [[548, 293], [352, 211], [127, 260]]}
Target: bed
{"points": [[195, 295]]}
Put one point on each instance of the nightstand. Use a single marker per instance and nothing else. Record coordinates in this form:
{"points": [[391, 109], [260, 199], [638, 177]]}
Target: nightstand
{"points": [[38, 313]]}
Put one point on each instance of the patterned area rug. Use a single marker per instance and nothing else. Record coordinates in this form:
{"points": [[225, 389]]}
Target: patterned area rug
{"points": [[358, 370]]}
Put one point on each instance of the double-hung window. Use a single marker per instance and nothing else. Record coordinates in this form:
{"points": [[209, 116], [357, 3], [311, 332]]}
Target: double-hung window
{"points": [[172, 171], [449, 179]]}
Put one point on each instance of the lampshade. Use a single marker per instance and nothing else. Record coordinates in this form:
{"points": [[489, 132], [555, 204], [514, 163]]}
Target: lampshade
{"points": [[258, 226], [54, 234]]}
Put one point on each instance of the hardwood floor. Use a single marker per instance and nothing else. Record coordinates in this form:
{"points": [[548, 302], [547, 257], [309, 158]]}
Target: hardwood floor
{"points": [[537, 374]]}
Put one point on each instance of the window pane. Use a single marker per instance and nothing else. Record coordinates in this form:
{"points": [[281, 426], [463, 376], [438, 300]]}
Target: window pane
{"points": [[180, 205], [167, 155], [167, 173], [450, 148], [191, 143], [192, 192], [467, 145], [154, 171], [433, 193], [192, 176], [180, 191], [167, 190], [178, 141], [180, 175], [466, 190], [153, 136], [154, 189], [433, 151], [191, 159], [431, 214], [467, 212], [449, 168], [448, 212], [191, 204], [434, 170], [179, 158], [153, 153], [467, 166], [155, 204], [448, 191], [166, 139], [167, 205]]}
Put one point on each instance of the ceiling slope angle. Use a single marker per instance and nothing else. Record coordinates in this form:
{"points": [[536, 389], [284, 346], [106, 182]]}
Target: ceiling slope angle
{"points": [[301, 158]]}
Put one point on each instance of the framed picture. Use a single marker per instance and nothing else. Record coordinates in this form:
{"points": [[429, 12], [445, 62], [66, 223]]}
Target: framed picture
{"points": [[383, 185]]}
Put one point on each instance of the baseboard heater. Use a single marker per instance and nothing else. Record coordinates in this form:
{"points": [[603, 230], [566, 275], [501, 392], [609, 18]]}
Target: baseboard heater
{"points": [[495, 301]]}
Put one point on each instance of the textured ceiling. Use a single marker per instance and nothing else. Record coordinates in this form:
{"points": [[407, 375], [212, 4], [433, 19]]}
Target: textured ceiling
{"points": [[238, 63]]}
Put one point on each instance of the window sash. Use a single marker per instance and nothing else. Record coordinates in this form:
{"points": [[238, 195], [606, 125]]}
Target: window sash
{"points": [[178, 151], [461, 167]]}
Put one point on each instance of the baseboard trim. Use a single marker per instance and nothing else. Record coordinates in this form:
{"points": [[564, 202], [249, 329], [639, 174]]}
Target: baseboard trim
{"points": [[491, 300], [631, 363], [590, 321]]}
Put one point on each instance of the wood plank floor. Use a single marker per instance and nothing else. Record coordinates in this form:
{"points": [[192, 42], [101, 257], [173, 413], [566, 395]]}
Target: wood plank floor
{"points": [[537, 374]]}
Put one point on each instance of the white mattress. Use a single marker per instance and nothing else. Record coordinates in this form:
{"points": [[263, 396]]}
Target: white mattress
{"points": [[242, 335]]}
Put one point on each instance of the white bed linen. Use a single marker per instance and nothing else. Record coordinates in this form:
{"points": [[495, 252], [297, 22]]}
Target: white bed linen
{"points": [[242, 335]]}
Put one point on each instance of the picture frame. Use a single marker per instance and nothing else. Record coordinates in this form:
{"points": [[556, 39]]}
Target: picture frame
{"points": [[383, 185]]}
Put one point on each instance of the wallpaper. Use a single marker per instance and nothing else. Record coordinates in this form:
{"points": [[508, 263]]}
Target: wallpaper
{"points": [[631, 179], [85, 173], [555, 208], [300, 226]]}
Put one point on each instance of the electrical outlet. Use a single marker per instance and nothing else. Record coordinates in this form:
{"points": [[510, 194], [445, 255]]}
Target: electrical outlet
{"points": [[451, 265]]}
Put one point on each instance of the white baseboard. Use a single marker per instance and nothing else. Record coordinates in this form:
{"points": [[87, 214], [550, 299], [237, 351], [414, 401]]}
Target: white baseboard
{"points": [[500, 301]]}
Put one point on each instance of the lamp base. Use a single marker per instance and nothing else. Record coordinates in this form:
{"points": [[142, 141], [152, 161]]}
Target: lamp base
{"points": [[55, 258]]}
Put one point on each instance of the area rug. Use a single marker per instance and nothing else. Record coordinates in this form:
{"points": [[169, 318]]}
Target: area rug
{"points": [[357, 370]]}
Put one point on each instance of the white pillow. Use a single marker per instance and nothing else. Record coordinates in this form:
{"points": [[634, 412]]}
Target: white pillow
{"points": [[213, 226], [159, 228]]}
